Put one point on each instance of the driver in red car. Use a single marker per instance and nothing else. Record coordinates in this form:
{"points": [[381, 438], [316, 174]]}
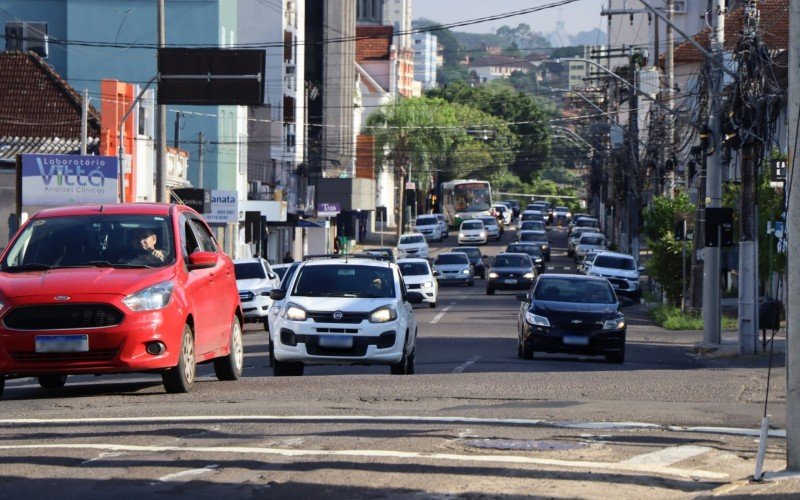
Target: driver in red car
{"points": [[143, 248]]}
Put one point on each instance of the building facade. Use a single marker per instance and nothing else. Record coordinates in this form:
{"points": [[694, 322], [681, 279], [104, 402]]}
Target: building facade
{"points": [[425, 59]]}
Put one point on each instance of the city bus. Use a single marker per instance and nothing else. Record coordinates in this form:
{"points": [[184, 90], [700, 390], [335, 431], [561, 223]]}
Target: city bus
{"points": [[465, 199]]}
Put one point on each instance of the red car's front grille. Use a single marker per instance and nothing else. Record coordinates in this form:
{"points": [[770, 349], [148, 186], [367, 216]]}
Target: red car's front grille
{"points": [[62, 357], [62, 317]]}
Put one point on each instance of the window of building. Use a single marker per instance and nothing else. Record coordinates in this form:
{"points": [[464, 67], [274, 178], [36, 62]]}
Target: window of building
{"points": [[370, 11]]}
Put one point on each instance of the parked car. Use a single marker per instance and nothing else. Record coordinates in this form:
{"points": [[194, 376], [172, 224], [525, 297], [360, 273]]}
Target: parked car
{"points": [[472, 231], [620, 270], [510, 271], [454, 268], [571, 313], [412, 245], [475, 259], [118, 288], [443, 225], [345, 310], [429, 227], [493, 229], [534, 252], [587, 243], [255, 279], [418, 276]]}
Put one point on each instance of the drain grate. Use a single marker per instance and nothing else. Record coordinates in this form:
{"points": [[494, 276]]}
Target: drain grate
{"points": [[525, 445]]}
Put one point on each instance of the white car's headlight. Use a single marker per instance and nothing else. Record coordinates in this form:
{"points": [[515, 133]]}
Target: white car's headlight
{"points": [[295, 313], [483, 234], [535, 319], [383, 315], [151, 298], [614, 324], [493, 275], [427, 284], [528, 275], [465, 271], [460, 235]]}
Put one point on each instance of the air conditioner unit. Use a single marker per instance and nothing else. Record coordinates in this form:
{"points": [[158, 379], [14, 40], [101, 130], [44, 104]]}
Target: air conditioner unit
{"points": [[27, 36], [679, 7]]}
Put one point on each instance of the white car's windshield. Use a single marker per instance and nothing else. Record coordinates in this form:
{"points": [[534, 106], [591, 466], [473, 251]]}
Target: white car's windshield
{"points": [[344, 281]]}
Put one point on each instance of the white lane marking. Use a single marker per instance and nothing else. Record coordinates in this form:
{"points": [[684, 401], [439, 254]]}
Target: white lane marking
{"points": [[781, 433], [464, 366], [104, 456], [439, 316], [388, 454], [567, 268], [668, 456], [192, 472]]}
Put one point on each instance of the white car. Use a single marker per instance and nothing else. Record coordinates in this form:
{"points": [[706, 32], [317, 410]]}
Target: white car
{"points": [[255, 280], [620, 270], [443, 225], [492, 227], [429, 227], [587, 243], [345, 311], [472, 231], [412, 245], [418, 275]]}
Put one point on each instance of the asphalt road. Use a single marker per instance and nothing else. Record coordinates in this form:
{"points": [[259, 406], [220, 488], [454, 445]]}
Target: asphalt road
{"points": [[475, 421]]}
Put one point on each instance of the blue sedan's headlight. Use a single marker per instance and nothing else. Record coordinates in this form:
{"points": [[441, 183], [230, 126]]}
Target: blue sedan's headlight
{"points": [[614, 324], [536, 320]]}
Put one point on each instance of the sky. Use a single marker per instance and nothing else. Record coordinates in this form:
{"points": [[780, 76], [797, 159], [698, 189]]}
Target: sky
{"points": [[581, 15]]}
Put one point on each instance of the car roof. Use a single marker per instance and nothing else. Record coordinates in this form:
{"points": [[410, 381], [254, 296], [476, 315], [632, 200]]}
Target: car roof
{"points": [[112, 208], [412, 260], [472, 220], [250, 259], [511, 253], [451, 253], [348, 260], [592, 233], [412, 234], [573, 277], [279, 266], [617, 254]]}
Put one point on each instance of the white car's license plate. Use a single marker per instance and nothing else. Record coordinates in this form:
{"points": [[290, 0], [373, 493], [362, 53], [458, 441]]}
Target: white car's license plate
{"points": [[575, 340], [336, 341], [62, 343], [511, 282]]}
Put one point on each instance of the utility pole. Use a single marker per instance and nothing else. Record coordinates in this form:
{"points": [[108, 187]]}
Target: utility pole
{"points": [[669, 68], [793, 251], [200, 140], [711, 290], [632, 202], [161, 122], [748, 221]]}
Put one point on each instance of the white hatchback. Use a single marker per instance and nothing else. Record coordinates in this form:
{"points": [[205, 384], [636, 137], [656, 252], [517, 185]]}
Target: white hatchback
{"points": [[418, 275], [472, 231], [412, 245], [255, 280]]}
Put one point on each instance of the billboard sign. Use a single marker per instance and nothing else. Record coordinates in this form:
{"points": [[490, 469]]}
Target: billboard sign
{"points": [[329, 209], [198, 199], [55, 180], [224, 208]]}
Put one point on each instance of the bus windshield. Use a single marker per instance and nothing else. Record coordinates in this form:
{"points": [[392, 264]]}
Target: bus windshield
{"points": [[472, 199]]}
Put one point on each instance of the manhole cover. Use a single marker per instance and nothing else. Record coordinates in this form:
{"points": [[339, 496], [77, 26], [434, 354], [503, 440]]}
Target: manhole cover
{"points": [[524, 445]]}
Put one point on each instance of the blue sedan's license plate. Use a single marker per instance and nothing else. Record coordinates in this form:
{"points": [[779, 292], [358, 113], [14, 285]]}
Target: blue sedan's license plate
{"points": [[336, 341], [575, 340], [511, 282], [62, 343]]}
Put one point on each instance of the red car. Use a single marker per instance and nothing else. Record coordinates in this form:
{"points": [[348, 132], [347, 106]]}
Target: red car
{"points": [[118, 288]]}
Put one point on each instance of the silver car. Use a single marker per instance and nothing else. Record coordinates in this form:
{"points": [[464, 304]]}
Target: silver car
{"points": [[453, 268], [255, 280]]}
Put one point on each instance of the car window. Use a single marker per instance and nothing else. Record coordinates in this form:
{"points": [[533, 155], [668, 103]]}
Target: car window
{"points": [[344, 280], [426, 221], [88, 240], [280, 271], [289, 274], [591, 240], [447, 259], [411, 239], [472, 252], [614, 262], [489, 221], [472, 225], [413, 268], [511, 261], [528, 249], [572, 290], [248, 271], [204, 239]]}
